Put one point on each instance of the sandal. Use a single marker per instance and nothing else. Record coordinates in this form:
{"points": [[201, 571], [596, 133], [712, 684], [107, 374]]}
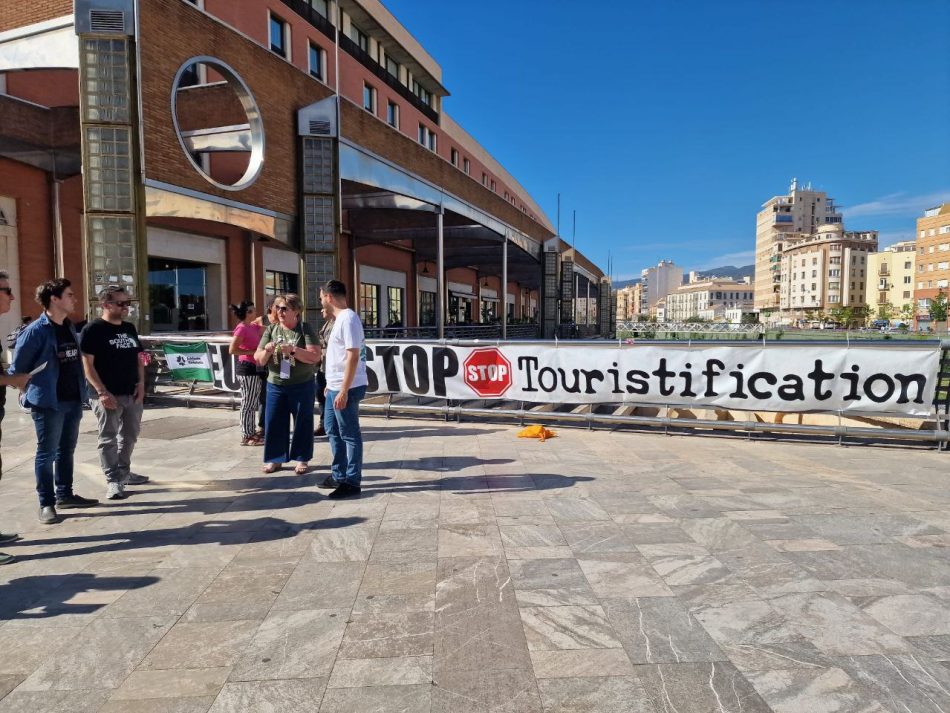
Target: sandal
{"points": [[251, 441], [271, 468], [301, 468]]}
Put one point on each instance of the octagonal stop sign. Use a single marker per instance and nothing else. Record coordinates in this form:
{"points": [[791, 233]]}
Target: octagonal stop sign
{"points": [[487, 372]]}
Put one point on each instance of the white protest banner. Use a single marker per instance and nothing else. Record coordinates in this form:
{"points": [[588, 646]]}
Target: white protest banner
{"points": [[773, 377]]}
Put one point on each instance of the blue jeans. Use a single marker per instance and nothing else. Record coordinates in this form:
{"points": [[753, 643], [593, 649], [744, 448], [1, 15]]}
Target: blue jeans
{"points": [[346, 440], [57, 431], [283, 402]]}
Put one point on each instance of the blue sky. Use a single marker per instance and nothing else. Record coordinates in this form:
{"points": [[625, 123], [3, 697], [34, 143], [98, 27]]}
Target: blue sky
{"points": [[666, 125]]}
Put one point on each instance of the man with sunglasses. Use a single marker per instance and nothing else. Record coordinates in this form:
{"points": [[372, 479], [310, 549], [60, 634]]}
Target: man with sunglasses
{"points": [[116, 374]]}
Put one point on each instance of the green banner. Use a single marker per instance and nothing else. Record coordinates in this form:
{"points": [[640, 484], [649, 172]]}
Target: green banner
{"points": [[189, 362]]}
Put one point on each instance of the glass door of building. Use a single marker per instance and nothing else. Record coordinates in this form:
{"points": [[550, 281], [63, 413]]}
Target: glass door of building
{"points": [[178, 292]]}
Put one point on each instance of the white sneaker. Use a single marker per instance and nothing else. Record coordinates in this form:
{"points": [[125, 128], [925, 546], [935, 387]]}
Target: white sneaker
{"points": [[115, 491]]}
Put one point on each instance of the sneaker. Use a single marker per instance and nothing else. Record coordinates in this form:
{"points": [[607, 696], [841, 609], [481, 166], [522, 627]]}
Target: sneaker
{"points": [[345, 490], [48, 515], [6, 559], [115, 491], [71, 502], [320, 431], [134, 479], [6, 537], [329, 482]]}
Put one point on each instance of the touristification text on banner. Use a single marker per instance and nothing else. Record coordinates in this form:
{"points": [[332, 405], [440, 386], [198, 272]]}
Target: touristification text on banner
{"points": [[779, 377]]}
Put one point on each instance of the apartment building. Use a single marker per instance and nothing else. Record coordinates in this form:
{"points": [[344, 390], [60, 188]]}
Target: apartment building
{"points": [[713, 300], [802, 211], [266, 146], [824, 270], [629, 301], [657, 282], [890, 285], [933, 258]]}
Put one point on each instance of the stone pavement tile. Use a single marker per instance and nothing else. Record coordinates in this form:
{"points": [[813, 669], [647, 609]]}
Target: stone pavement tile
{"points": [[353, 543], [532, 535], [173, 683], [595, 537], [684, 506], [680, 564], [654, 534], [812, 545], [568, 663], [369, 604], [622, 576], [321, 585], [172, 595], [207, 551], [484, 638], [399, 578], [399, 671], [650, 518], [469, 541], [706, 596], [550, 582], [101, 656], [749, 517], [296, 644], [467, 583], [505, 505], [501, 691], [399, 546], [21, 701], [388, 636], [29, 643], [624, 503], [613, 694], [768, 571], [200, 704], [846, 529], [568, 627], [288, 550], [815, 689], [201, 645], [925, 541], [785, 530], [247, 583], [9, 681], [911, 614], [660, 630], [798, 653], [227, 611], [936, 647], [700, 688], [746, 622], [902, 683], [836, 626], [460, 510], [378, 699], [718, 534], [564, 508], [288, 696]]}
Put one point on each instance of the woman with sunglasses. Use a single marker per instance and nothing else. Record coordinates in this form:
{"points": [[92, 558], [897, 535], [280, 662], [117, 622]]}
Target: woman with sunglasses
{"points": [[246, 337], [290, 351]]}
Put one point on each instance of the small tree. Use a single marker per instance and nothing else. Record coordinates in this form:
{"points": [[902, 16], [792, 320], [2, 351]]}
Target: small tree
{"points": [[886, 311], [908, 311], [839, 315], [749, 318], [857, 315], [938, 309]]}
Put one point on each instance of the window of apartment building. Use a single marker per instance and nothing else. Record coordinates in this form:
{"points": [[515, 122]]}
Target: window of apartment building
{"points": [[279, 283], [920, 285], [906, 279], [369, 98], [944, 229], [455, 157], [930, 267], [507, 197], [836, 272], [433, 142], [923, 233], [392, 114], [814, 261], [932, 232], [484, 178], [930, 249], [943, 283], [426, 309], [279, 37], [359, 37], [320, 6], [424, 94], [833, 298], [392, 66], [906, 294], [907, 265], [943, 265], [493, 186], [466, 166], [943, 247], [813, 285], [396, 317], [316, 62], [814, 273], [836, 260], [369, 304], [427, 137]]}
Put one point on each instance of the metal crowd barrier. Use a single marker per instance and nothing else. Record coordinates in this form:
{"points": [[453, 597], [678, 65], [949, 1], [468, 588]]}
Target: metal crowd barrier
{"points": [[935, 428]]}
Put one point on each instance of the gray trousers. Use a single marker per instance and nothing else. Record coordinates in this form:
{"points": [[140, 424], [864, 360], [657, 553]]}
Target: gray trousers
{"points": [[118, 432]]}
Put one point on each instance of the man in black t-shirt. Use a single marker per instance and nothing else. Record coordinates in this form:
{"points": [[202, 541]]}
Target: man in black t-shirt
{"points": [[116, 374]]}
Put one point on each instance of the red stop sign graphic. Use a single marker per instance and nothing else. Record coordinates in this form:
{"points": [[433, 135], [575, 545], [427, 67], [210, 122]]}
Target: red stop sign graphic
{"points": [[487, 372]]}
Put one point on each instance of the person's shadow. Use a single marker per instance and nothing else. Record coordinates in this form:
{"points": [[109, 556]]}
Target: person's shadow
{"points": [[45, 596]]}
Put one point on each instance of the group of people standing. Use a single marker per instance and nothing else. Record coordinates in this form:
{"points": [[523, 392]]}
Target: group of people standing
{"points": [[57, 369], [302, 367]]}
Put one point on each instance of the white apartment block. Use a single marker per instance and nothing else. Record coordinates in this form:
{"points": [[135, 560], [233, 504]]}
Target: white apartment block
{"points": [[657, 282], [825, 270], [801, 211], [712, 300], [891, 275]]}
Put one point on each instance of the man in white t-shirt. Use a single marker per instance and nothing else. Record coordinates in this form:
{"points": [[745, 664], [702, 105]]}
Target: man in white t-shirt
{"points": [[346, 387]]}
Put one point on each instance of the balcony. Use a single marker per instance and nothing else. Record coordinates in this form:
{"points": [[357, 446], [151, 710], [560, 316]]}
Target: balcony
{"points": [[303, 8]]}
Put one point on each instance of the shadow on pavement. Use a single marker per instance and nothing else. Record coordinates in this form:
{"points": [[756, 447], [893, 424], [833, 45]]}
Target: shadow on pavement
{"points": [[50, 595]]}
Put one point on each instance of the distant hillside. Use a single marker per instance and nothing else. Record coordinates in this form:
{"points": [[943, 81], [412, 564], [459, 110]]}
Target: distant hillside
{"points": [[727, 271]]}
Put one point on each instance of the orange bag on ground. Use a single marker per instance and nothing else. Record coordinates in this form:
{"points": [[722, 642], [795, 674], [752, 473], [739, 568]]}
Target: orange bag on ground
{"points": [[537, 432]]}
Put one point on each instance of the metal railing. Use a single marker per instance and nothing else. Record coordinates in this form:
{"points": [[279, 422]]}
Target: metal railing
{"points": [[678, 418], [454, 331]]}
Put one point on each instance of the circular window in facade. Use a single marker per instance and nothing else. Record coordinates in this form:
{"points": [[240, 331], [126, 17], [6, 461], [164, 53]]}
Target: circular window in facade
{"points": [[218, 123]]}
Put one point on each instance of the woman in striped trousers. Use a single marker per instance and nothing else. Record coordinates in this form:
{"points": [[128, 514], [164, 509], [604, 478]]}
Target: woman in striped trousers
{"points": [[247, 335]]}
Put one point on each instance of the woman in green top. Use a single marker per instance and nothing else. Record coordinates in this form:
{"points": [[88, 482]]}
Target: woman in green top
{"points": [[290, 351]]}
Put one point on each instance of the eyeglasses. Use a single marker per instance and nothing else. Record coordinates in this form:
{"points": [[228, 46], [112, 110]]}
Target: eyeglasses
{"points": [[8, 290], [282, 308], [123, 305]]}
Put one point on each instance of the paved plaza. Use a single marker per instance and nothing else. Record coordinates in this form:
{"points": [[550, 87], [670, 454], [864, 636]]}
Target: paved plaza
{"points": [[595, 572]]}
